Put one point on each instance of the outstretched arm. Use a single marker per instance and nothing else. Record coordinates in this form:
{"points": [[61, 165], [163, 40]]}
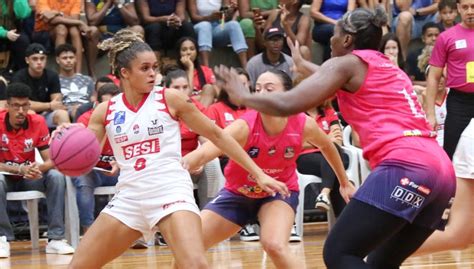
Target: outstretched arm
{"points": [[182, 107]]}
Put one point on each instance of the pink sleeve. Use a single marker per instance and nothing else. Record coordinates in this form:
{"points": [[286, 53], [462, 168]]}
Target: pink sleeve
{"points": [[331, 115], [210, 78], [438, 56]]}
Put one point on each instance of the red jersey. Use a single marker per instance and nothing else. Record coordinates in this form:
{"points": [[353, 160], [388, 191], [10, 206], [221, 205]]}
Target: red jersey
{"points": [[208, 77], [276, 155], [18, 146], [107, 154], [222, 114], [189, 139], [386, 114]]}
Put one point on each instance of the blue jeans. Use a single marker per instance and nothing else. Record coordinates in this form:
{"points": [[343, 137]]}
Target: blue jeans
{"points": [[416, 25], [53, 184], [210, 33], [85, 186], [322, 33]]}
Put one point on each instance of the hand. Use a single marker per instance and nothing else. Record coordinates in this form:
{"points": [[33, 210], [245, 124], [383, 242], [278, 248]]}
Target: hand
{"points": [[284, 16], [197, 171], [347, 191], [272, 186], [228, 80], [215, 16], [258, 21], [62, 127], [295, 52], [12, 35], [85, 29], [186, 61], [115, 169], [31, 171], [55, 105]]}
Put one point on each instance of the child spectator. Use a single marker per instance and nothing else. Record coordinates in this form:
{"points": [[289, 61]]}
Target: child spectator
{"points": [[448, 12]]}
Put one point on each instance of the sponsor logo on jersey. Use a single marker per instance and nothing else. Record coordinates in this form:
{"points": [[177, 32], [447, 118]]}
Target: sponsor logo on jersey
{"points": [[271, 151], [141, 148], [406, 196], [5, 139], [253, 152], [119, 117], [28, 145], [154, 122], [289, 153], [136, 129], [420, 188], [121, 139], [228, 117], [118, 130], [155, 130]]}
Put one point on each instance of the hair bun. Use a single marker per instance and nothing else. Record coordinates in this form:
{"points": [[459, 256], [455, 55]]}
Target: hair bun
{"points": [[379, 17]]}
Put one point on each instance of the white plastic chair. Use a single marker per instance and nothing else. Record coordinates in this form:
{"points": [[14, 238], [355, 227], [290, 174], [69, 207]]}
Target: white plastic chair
{"points": [[364, 168], [32, 198], [305, 180]]}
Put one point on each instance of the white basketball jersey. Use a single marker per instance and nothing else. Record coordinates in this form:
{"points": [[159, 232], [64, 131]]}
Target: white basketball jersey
{"points": [[440, 112], [146, 142]]}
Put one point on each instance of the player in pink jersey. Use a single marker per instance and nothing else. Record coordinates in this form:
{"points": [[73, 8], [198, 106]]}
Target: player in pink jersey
{"points": [[141, 204], [408, 193], [454, 49], [274, 143]]}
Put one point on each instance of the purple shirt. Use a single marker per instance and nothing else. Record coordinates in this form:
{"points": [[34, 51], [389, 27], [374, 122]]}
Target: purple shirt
{"points": [[454, 48]]}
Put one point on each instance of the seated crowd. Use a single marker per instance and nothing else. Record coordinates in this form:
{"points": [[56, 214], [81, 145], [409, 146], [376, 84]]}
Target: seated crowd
{"points": [[35, 99]]}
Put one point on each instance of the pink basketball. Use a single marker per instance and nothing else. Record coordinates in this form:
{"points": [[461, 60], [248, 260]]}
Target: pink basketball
{"points": [[75, 151]]}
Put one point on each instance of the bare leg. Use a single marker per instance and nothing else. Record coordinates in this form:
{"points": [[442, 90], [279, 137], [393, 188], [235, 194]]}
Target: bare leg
{"points": [[404, 26], [60, 33], [276, 219], [459, 233], [204, 54], [77, 43], [243, 59], [183, 233], [105, 240], [60, 116], [216, 228], [92, 50], [306, 53]]}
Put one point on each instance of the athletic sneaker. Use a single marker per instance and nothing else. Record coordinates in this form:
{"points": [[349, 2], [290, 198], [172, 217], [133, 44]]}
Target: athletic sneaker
{"points": [[322, 202], [4, 247], [59, 247], [139, 244], [294, 237], [249, 234], [160, 240]]}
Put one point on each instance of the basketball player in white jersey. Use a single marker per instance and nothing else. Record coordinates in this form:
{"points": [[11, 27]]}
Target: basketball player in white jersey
{"points": [[154, 191]]}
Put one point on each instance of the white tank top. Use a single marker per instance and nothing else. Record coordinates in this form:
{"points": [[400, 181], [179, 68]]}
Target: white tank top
{"points": [[146, 142], [440, 112]]}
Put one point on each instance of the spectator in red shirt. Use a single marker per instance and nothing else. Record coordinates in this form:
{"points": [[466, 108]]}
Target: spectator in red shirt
{"points": [[20, 134]]}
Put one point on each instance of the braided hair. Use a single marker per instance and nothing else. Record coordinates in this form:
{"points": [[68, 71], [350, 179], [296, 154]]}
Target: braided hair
{"points": [[123, 48], [365, 26]]}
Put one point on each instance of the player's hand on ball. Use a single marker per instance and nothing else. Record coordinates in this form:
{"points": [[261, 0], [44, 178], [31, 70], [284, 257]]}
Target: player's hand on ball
{"points": [[63, 126]]}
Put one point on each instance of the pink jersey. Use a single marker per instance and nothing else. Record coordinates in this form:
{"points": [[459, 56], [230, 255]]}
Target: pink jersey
{"points": [[276, 155], [454, 48], [386, 114]]}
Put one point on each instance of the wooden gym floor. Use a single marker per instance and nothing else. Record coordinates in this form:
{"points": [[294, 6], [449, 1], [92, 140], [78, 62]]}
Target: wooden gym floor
{"points": [[229, 254]]}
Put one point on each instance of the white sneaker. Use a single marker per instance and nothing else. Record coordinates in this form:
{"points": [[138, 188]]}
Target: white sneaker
{"points": [[4, 247], [294, 237], [248, 233], [59, 247], [322, 202]]}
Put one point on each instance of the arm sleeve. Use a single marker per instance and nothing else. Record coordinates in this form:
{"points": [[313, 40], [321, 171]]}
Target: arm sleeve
{"points": [[42, 5], [3, 32], [43, 134], [22, 9], [438, 56], [76, 7]]}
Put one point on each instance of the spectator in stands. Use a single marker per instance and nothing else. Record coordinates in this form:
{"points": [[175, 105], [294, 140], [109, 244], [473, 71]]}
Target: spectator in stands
{"points": [[272, 57], [215, 24], [372, 4], [3, 95], [76, 88], [390, 46], [294, 23], [61, 19], [164, 23], [22, 133], [430, 32], [254, 14], [110, 16], [13, 40], [447, 10], [325, 14], [201, 78], [93, 101], [45, 88], [312, 161], [86, 184], [409, 18]]}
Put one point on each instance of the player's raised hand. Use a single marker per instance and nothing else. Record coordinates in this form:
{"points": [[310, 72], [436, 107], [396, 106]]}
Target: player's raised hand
{"points": [[228, 79]]}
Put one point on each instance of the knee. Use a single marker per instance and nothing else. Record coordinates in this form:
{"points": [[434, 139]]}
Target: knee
{"points": [[61, 30], [60, 116], [247, 28], [233, 26], [55, 178], [203, 27], [138, 29], [274, 247], [405, 18]]}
